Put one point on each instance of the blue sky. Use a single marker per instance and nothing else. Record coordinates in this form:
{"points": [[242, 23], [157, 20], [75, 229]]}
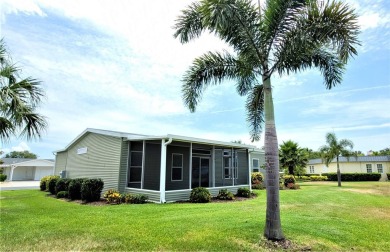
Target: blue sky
{"points": [[115, 65]]}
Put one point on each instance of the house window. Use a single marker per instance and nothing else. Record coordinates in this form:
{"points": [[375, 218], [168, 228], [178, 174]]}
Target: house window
{"points": [[226, 164], [255, 165], [311, 167], [369, 168], [177, 167], [380, 168], [135, 166]]}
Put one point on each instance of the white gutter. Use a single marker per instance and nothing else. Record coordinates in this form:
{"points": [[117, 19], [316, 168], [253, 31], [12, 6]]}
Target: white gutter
{"points": [[163, 168]]}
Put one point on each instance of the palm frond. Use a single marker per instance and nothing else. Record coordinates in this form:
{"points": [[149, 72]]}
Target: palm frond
{"points": [[34, 125], [255, 111], [7, 129], [189, 25], [336, 24]]}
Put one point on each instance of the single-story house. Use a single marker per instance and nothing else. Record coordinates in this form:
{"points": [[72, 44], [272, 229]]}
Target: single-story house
{"points": [[364, 164], [26, 169], [165, 168]]}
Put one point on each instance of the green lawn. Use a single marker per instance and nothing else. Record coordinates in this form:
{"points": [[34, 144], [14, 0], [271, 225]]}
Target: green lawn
{"points": [[320, 215]]}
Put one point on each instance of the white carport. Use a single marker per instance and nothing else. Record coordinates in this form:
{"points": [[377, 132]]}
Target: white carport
{"points": [[33, 169]]}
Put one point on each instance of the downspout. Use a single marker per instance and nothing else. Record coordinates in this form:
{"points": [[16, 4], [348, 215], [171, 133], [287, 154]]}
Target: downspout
{"points": [[163, 168]]}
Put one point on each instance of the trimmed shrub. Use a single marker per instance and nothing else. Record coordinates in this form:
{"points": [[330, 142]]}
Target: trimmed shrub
{"points": [[62, 194], [354, 176], [224, 194], [318, 178], [44, 184], [112, 196], [3, 177], [91, 189], [243, 192], [304, 178], [288, 179], [74, 188], [138, 199], [257, 176], [293, 186], [259, 186], [62, 185], [200, 195], [51, 184]]}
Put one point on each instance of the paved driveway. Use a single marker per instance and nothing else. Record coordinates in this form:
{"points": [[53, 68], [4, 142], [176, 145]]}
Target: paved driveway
{"points": [[18, 185]]}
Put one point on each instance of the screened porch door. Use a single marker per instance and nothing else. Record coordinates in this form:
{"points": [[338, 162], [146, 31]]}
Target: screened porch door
{"points": [[200, 172]]}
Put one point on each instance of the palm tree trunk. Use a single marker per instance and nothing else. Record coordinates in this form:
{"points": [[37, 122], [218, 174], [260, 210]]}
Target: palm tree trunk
{"points": [[338, 172], [273, 226]]}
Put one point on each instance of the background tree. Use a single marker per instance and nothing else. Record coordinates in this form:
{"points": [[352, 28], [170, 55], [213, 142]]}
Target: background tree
{"points": [[335, 149], [21, 154], [19, 99], [312, 154], [293, 158], [384, 152], [283, 37]]}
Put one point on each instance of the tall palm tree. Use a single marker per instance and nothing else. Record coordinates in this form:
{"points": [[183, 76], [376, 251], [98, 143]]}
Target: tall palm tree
{"points": [[335, 149], [292, 157], [284, 36], [19, 99]]}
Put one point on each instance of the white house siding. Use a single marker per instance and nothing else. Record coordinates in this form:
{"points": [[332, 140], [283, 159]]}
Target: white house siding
{"points": [[101, 159], [60, 162]]}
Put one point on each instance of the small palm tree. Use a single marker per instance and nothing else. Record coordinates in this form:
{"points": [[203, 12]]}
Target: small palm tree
{"points": [[292, 157], [286, 36], [19, 99], [335, 149]]}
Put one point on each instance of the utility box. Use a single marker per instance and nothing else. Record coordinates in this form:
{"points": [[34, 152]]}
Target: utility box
{"points": [[62, 174]]}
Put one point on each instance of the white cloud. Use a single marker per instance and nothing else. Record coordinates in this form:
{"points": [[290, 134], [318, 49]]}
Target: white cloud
{"points": [[21, 146]]}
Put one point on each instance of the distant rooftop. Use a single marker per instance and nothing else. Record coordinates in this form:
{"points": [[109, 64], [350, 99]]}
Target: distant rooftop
{"points": [[354, 159]]}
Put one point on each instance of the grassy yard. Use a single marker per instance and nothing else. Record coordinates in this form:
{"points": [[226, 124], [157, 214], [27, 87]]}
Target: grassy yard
{"points": [[320, 216]]}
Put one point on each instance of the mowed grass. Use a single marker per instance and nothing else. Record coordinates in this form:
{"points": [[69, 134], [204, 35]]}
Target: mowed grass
{"points": [[321, 216]]}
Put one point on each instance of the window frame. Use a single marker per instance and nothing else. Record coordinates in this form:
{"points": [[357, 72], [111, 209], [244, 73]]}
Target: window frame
{"points": [[258, 165], [311, 168], [135, 166], [177, 167], [379, 166], [369, 167]]}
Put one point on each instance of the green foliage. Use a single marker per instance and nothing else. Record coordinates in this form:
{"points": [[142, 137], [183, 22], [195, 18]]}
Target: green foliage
{"points": [[257, 180], [384, 152], [113, 196], [19, 100], [257, 177], [62, 194], [74, 188], [3, 177], [44, 183], [51, 184], [293, 186], [318, 178], [224, 194], [388, 176], [91, 189], [243, 192], [200, 195], [138, 199], [304, 178], [293, 158], [62, 185], [21, 154], [354, 176], [288, 179]]}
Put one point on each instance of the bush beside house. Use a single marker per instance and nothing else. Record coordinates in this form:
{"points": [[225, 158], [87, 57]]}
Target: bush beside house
{"points": [[354, 176]]}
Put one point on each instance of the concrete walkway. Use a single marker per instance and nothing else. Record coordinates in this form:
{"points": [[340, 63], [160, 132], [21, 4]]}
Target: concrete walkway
{"points": [[19, 185]]}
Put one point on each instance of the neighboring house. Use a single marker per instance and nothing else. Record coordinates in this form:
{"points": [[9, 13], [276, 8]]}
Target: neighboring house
{"points": [[165, 168], [365, 164], [26, 169]]}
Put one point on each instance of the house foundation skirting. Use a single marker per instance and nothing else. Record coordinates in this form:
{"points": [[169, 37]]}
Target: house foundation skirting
{"points": [[179, 195]]}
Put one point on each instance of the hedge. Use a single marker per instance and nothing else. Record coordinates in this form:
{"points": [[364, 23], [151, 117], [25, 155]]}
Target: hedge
{"points": [[353, 176]]}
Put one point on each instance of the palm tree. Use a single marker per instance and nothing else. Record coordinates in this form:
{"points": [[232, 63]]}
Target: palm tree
{"points": [[19, 99], [284, 36], [292, 157], [335, 149]]}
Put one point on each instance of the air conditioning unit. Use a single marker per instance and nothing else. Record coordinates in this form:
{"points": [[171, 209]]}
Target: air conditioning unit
{"points": [[62, 174]]}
